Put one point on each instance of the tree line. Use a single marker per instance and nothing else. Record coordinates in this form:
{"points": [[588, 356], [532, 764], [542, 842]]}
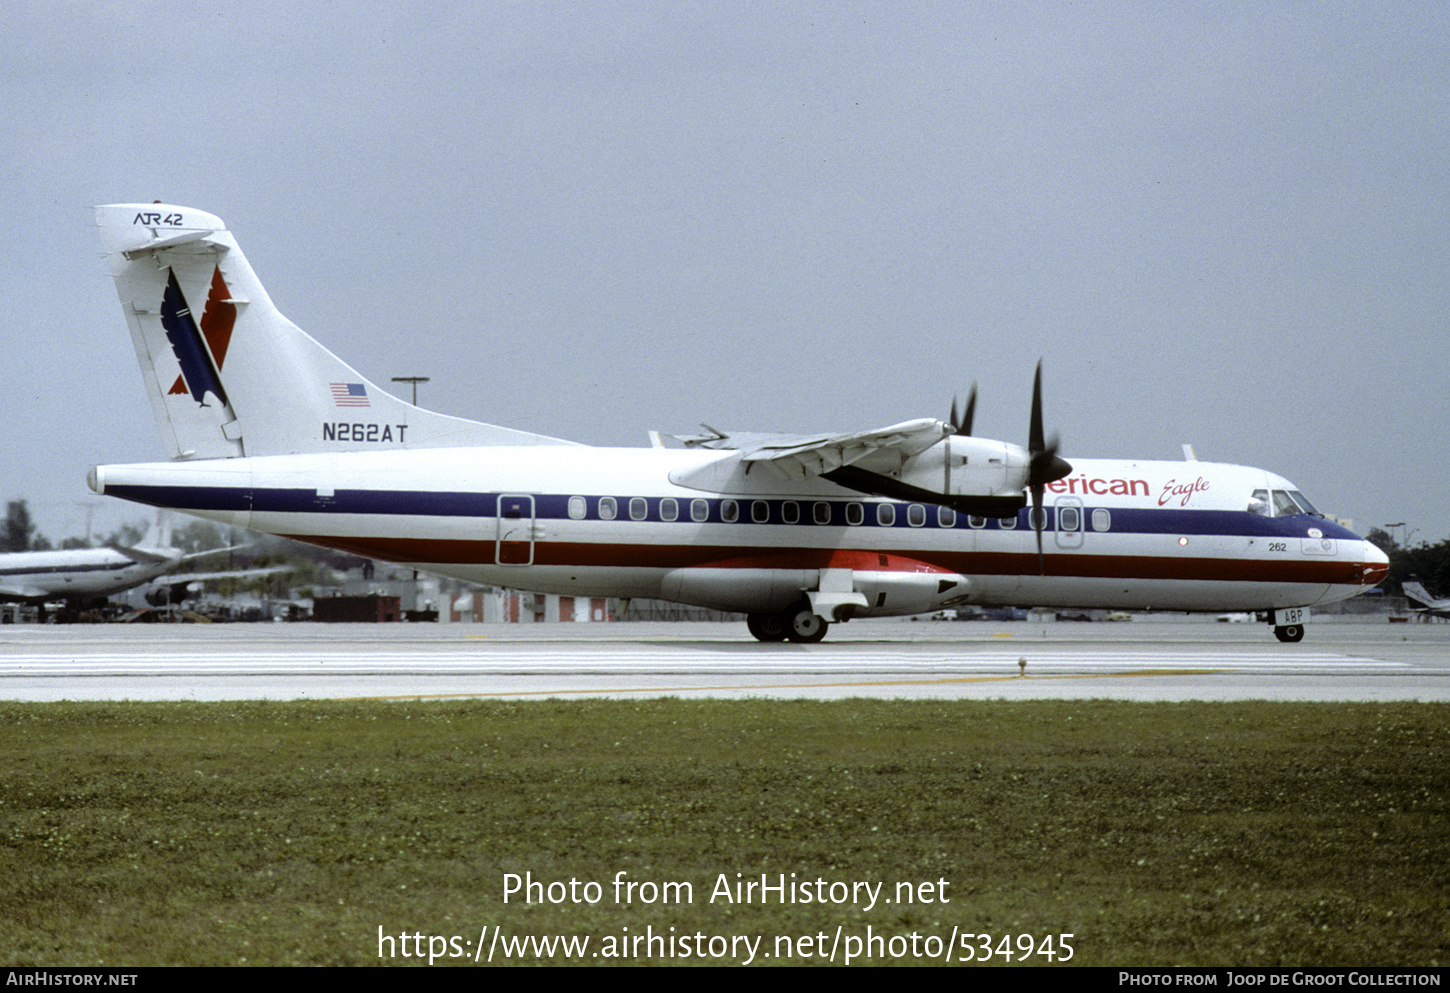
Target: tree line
{"points": [[1430, 564]]}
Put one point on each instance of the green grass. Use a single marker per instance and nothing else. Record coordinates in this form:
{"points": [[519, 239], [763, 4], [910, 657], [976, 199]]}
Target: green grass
{"points": [[1156, 834]]}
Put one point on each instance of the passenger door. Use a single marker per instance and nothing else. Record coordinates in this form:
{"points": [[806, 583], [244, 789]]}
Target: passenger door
{"points": [[515, 544]]}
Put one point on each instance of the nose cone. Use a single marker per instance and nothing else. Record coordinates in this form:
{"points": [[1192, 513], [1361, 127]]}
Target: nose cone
{"points": [[1375, 566], [1058, 468]]}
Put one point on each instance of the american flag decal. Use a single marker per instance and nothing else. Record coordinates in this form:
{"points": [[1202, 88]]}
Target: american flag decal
{"points": [[350, 395]]}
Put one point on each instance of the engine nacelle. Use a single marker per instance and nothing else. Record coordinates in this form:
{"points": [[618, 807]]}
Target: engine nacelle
{"points": [[972, 475]]}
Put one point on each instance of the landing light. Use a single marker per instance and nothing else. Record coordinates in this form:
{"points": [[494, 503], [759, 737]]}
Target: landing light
{"points": [[1183, 541]]}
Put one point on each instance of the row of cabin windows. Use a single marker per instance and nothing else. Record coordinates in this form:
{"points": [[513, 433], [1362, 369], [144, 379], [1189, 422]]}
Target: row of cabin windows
{"points": [[1068, 518]]}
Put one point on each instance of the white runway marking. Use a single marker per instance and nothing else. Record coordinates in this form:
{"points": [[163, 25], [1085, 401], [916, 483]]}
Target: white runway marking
{"points": [[640, 660]]}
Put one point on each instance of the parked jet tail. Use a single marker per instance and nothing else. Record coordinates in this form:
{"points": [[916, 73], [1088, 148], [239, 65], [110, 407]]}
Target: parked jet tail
{"points": [[227, 374], [1420, 599]]}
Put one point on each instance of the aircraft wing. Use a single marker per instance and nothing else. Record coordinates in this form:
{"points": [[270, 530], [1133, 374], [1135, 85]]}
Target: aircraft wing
{"points": [[142, 555], [174, 588], [799, 456], [206, 577], [216, 551]]}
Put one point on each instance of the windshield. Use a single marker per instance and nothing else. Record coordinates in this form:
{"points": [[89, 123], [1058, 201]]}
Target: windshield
{"points": [[1303, 501], [1281, 503]]}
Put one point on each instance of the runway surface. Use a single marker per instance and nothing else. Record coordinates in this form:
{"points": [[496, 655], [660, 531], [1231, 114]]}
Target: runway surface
{"points": [[1190, 660]]}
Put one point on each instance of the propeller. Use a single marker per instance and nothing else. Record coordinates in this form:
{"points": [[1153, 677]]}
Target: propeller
{"points": [[1044, 467], [963, 427]]}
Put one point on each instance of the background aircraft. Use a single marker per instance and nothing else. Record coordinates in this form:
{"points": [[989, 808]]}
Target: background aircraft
{"points": [[84, 578], [269, 430], [1422, 602]]}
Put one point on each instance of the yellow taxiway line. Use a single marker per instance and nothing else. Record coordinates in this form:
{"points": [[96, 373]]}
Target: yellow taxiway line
{"points": [[789, 686]]}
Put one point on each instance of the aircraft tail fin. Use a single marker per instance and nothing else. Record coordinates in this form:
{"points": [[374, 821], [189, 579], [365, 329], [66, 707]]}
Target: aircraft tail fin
{"points": [[227, 374], [155, 544], [1418, 595]]}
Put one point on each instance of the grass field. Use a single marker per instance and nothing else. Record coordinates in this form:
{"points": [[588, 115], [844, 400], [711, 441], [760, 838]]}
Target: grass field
{"points": [[297, 833]]}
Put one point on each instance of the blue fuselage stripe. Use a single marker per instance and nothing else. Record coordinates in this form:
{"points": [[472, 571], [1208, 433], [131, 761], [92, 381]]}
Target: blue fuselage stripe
{"points": [[424, 503]]}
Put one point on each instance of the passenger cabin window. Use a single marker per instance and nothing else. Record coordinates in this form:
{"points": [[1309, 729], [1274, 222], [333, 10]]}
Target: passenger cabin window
{"points": [[729, 511], [607, 509], [1102, 520], [1069, 519], [790, 512], [699, 510], [1007, 523], [946, 517], [976, 522], [669, 509], [638, 508], [821, 513], [760, 512], [885, 514], [578, 507], [855, 514], [916, 515]]}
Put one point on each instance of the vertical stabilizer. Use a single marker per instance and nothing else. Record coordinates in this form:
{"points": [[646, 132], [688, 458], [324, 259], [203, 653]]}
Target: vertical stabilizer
{"points": [[227, 374]]}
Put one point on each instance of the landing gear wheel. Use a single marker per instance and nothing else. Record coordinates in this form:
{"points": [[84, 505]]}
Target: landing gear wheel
{"points": [[766, 627], [806, 626], [1290, 632]]}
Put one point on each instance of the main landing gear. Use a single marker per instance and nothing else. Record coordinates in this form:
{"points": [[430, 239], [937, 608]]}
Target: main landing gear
{"points": [[1290, 632], [799, 624]]}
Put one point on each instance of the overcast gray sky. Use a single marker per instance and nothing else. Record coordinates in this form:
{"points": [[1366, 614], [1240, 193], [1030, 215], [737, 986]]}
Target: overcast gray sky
{"points": [[1216, 223]]}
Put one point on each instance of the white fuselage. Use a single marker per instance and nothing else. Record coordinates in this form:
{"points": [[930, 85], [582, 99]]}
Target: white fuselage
{"points": [[693, 527], [74, 574]]}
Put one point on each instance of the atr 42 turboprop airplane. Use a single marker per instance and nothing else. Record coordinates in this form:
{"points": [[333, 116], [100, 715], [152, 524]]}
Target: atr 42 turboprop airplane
{"points": [[268, 430], [85, 577]]}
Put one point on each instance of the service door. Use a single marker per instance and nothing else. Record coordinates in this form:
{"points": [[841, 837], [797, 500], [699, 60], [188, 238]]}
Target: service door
{"points": [[515, 529]]}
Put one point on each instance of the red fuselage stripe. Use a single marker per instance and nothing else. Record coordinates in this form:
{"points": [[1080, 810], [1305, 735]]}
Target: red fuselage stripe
{"points": [[589, 555]]}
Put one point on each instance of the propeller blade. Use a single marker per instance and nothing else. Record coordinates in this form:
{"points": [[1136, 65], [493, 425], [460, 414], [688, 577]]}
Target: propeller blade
{"points": [[1037, 522], [1034, 431], [963, 426], [1044, 467]]}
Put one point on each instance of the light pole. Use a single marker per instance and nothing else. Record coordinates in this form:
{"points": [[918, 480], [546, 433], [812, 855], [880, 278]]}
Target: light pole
{"points": [[415, 380]]}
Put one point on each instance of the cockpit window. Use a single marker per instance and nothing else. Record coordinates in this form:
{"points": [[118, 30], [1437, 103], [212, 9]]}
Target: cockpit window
{"points": [[1290, 502], [1281, 503], [1284, 505], [1303, 501]]}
